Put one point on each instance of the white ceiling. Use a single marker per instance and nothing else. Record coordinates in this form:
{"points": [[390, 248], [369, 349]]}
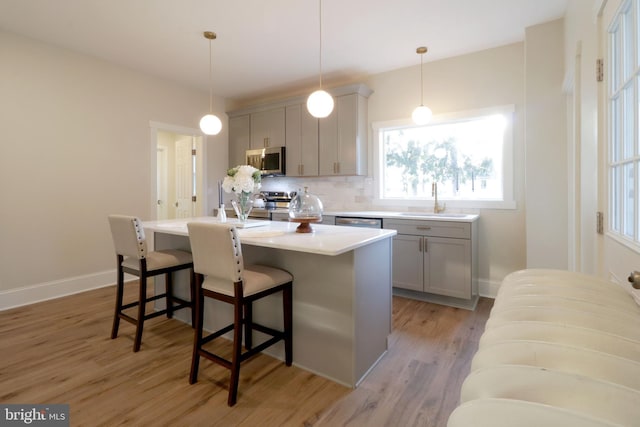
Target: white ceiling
{"points": [[269, 46]]}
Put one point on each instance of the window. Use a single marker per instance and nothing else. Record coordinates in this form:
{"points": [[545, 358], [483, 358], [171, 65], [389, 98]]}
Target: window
{"points": [[623, 150], [467, 155]]}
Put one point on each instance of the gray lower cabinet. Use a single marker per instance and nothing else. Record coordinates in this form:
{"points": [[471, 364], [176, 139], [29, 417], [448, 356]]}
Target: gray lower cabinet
{"points": [[435, 257]]}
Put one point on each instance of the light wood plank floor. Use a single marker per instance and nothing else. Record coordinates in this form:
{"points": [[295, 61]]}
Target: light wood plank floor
{"points": [[59, 351]]}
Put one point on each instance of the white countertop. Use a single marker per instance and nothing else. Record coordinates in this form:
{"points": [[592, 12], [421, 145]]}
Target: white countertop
{"points": [[325, 239], [420, 215]]}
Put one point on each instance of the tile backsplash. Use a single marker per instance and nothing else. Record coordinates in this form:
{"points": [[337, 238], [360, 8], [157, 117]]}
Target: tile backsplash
{"points": [[352, 193]]}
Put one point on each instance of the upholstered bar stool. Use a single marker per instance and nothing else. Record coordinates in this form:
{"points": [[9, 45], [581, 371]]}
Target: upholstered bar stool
{"points": [[134, 258], [221, 275]]}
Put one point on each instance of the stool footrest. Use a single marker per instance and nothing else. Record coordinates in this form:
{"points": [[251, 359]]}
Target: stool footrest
{"points": [[217, 334]]}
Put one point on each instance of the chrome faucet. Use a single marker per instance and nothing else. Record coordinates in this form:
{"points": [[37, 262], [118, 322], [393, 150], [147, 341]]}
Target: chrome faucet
{"points": [[434, 193]]}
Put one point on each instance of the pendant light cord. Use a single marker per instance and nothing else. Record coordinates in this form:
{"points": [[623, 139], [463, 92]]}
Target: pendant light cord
{"points": [[320, 51], [421, 81], [210, 81]]}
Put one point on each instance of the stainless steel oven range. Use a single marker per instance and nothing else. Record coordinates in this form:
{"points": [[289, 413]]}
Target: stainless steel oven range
{"points": [[270, 201]]}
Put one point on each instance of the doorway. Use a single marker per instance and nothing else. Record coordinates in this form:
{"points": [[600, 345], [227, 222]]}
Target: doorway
{"points": [[178, 168]]}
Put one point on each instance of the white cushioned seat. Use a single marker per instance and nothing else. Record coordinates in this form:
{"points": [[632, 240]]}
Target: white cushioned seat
{"points": [[256, 278], [133, 257], [221, 275], [157, 260]]}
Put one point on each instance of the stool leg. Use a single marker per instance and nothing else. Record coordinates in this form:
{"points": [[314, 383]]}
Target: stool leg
{"points": [[288, 324], [192, 286], [237, 348], [248, 325], [169, 294], [141, 308], [197, 334], [119, 292]]}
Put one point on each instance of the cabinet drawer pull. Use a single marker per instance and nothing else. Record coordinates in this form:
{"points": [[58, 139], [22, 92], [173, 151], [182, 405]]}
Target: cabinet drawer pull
{"points": [[423, 227]]}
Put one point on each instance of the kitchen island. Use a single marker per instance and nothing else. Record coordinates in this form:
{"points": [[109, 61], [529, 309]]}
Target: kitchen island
{"points": [[341, 291]]}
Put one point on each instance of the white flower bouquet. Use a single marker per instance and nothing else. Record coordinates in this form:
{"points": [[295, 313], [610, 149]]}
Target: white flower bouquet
{"points": [[242, 180]]}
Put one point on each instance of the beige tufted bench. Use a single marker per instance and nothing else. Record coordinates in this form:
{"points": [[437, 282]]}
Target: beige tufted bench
{"points": [[559, 349]]}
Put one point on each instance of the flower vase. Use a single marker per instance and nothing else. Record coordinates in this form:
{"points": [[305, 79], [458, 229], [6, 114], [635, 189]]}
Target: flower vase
{"points": [[243, 205]]}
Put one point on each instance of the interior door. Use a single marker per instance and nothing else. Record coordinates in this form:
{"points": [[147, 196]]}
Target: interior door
{"points": [[161, 187], [184, 178]]}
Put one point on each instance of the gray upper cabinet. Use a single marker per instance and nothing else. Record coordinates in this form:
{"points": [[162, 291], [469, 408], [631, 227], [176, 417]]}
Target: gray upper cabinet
{"points": [[335, 145], [302, 141], [268, 128], [343, 137], [239, 139]]}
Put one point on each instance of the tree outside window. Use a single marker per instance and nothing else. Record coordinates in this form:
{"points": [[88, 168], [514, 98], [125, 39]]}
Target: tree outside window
{"points": [[463, 157]]}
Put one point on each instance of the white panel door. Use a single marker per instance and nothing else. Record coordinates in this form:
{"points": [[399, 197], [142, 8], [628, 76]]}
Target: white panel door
{"points": [[184, 178], [161, 184]]}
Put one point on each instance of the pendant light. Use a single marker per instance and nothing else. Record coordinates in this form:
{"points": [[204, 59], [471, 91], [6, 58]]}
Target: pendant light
{"points": [[210, 124], [320, 103], [422, 114]]}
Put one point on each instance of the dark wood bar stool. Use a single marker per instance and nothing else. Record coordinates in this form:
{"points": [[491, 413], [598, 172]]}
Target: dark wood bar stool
{"points": [[133, 258], [221, 275]]}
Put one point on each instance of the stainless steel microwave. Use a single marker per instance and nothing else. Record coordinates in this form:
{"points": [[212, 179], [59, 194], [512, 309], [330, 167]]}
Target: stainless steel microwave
{"points": [[270, 161]]}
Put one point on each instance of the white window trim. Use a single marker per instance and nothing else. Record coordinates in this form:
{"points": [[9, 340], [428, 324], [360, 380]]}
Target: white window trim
{"points": [[508, 201], [632, 243]]}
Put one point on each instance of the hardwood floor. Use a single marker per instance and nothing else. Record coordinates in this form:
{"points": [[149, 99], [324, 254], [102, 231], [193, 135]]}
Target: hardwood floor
{"points": [[59, 351]]}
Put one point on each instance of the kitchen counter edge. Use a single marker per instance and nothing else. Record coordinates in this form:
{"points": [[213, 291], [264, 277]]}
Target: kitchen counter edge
{"points": [[422, 216]]}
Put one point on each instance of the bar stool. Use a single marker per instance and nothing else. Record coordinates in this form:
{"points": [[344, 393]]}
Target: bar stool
{"points": [[221, 275], [133, 258]]}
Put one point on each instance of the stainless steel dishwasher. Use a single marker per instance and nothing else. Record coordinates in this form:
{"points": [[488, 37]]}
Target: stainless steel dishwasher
{"points": [[353, 221]]}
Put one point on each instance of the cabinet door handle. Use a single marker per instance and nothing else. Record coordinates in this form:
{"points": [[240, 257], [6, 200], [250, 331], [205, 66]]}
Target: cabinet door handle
{"points": [[301, 169], [423, 227], [420, 245], [265, 142]]}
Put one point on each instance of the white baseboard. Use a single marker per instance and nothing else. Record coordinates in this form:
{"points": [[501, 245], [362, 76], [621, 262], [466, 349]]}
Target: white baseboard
{"points": [[50, 290], [488, 288]]}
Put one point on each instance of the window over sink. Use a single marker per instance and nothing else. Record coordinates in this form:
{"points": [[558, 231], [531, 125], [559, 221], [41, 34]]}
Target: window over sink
{"points": [[468, 154]]}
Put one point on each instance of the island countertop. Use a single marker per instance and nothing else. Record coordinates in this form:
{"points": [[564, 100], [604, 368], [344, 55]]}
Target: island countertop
{"points": [[341, 293], [325, 239]]}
